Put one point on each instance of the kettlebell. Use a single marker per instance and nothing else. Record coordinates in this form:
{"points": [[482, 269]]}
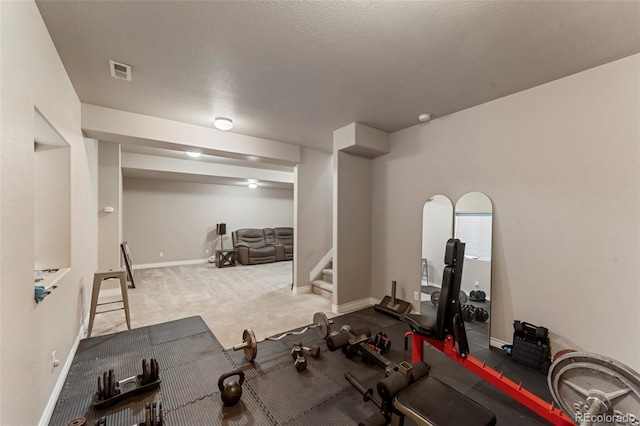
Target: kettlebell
{"points": [[232, 391]]}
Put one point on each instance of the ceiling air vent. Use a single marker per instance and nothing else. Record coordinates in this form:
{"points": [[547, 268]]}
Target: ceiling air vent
{"points": [[119, 70]]}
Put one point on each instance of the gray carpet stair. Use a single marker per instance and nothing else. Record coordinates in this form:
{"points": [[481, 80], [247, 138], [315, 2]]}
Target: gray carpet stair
{"points": [[324, 286]]}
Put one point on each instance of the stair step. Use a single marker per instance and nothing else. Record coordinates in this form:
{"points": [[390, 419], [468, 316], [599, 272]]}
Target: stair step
{"points": [[323, 285]]}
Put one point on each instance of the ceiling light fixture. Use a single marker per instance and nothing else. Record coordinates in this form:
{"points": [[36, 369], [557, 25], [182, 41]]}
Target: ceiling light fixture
{"points": [[193, 154], [424, 117], [253, 185], [252, 181], [222, 123]]}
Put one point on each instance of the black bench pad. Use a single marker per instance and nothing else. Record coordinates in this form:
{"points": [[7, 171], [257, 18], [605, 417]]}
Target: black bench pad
{"points": [[431, 401], [422, 324]]}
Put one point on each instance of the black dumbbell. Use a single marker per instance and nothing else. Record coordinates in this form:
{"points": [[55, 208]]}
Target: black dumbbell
{"points": [[298, 357], [314, 350], [481, 314], [468, 312], [382, 342]]}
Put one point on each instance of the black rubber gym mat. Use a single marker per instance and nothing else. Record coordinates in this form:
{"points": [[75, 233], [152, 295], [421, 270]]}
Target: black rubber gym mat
{"points": [[504, 407], [374, 318], [185, 350], [274, 392], [112, 345], [191, 326], [342, 409], [190, 360], [288, 393], [183, 384], [265, 365], [81, 383], [210, 411]]}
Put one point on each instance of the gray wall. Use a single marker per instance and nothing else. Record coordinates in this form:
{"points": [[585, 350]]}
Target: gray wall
{"points": [[179, 218], [109, 195], [313, 212], [561, 163], [33, 76], [352, 225]]}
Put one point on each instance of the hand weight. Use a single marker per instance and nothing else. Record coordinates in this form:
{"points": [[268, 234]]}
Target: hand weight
{"points": [[232, 391]]}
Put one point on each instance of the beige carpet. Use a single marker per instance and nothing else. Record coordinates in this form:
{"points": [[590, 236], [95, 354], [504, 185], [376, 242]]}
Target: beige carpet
{"points": [[228, 299]]}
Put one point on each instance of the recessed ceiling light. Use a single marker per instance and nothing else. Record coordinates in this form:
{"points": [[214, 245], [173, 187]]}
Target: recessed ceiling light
{"points": [[222, 123], [193, 154], [424, 117], [253, 185]]}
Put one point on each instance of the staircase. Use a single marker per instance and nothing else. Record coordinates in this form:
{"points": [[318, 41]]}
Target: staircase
{"points": [[324, 285]]}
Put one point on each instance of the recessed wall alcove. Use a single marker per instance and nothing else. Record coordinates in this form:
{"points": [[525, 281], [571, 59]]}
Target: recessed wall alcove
{"points": [[51, 201]]}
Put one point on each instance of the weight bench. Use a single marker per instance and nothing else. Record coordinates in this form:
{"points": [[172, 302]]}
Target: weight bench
{"points": [[444, 331], [408, 391]]}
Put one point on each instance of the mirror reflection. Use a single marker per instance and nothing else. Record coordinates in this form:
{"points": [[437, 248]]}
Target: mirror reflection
{"points": [[437, 228], [473, 226]]}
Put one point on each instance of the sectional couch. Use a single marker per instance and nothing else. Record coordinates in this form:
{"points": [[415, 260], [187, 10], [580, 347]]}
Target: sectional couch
{"points": [[256, 246]]}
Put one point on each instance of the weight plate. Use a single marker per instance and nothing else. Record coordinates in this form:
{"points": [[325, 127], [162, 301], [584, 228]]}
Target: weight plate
{"points": [[322, 321], [463, 297], [435, 298], [80, 421], [562, 352], [577, 379], [251, 351]]}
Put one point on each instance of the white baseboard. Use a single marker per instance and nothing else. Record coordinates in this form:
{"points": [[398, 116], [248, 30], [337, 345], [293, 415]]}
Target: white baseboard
{"points": [[53, 399], [165, 264], [353, 306], [301, 289], [497, 343]]}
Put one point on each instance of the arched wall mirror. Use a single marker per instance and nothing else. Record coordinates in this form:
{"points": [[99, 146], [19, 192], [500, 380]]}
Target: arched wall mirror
{"points": [[473, 220], [473, 226], [437, 228]]}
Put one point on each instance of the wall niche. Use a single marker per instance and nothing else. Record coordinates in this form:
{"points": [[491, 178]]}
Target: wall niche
{"points": [[52, 202]]}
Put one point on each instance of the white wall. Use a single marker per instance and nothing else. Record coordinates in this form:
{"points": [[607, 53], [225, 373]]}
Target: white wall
{"points": [[52, 204], [313, 212], [561, 163], [32, 75], [179, 218]]}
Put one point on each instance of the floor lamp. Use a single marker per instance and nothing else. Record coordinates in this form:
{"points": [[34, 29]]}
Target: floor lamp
{"points": [[221, 230]]}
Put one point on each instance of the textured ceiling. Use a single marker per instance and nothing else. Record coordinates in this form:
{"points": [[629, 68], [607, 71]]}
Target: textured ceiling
{"points": [[296, 71]]}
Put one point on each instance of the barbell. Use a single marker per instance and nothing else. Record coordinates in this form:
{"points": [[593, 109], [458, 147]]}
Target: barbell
{"points": [[249, 344]]}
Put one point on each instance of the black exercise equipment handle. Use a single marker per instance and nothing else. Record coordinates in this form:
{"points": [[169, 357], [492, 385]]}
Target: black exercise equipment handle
{"points": [[367, 393]]}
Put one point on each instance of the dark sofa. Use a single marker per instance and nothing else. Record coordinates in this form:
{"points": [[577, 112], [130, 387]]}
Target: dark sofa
{"points": [[255, 246]]}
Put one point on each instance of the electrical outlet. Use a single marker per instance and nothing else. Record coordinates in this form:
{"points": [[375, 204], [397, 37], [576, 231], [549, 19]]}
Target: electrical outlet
{"points": [[416, 295], [477, 284], [161, 254], [54, 361], [206, 251]]}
